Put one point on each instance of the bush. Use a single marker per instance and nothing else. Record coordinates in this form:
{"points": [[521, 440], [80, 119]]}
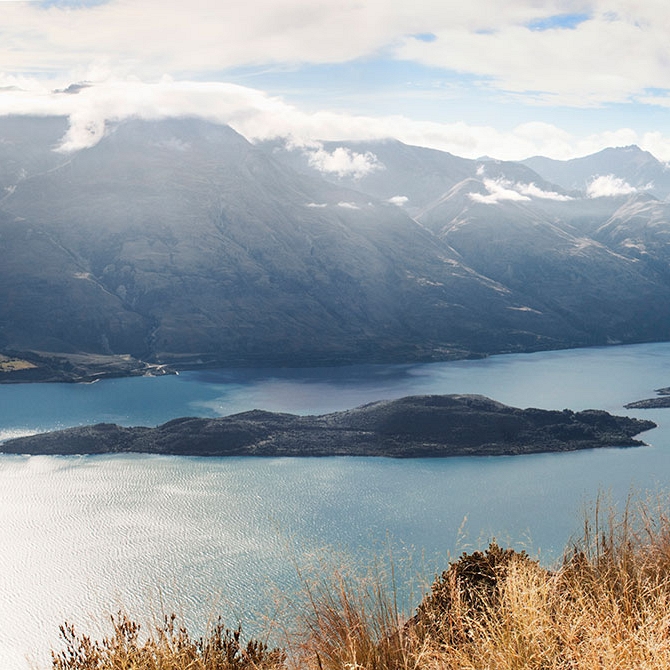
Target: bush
{"points": [[169, 648], [471, 586]]}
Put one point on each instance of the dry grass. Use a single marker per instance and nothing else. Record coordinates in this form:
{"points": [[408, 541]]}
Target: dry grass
{"points": [[8, 364], [169, 647], [607, 605]]}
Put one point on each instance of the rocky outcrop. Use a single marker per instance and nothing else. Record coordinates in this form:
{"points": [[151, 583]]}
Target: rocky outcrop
{"points": [[415, 426]]}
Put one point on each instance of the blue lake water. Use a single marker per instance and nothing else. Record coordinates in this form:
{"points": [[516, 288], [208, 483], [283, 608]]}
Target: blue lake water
{"points": [[85, 536]]}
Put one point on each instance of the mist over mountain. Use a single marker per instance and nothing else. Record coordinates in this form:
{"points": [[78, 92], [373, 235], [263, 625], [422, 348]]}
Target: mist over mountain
{"points": [[27, 147], [178, 241], [389, 170], [623, 170]]}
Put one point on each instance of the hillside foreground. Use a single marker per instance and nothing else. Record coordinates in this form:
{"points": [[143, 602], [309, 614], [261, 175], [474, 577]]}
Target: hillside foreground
{"points": [[604, 606]]}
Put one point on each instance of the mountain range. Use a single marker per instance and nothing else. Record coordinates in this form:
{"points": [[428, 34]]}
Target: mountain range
{"points": [[179, 242]]}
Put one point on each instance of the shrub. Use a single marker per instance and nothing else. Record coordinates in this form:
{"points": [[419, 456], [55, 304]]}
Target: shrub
{"points": [[169, 648]]}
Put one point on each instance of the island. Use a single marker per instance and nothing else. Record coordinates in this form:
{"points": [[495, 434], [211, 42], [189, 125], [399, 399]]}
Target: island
{"points": [[663, 400], [410, 427]]}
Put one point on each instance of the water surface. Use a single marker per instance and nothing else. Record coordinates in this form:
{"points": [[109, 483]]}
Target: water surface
{"points": [[83, 536]]}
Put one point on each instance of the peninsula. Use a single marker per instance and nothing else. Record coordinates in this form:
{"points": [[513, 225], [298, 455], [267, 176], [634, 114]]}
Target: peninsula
{"points": [[662, 400], [410, 427]]}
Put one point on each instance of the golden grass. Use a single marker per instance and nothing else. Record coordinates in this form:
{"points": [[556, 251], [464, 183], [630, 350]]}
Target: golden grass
{"points": [[607, 605], [8, 364]]}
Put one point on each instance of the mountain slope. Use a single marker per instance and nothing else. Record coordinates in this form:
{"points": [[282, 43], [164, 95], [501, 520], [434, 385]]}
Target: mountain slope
{"points": [[227, 256], [640, 229], [603, 294], [411, 176], [178, 241]]}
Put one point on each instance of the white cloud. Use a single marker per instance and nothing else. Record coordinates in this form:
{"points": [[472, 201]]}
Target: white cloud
{"points": [[152, 37], [399, 200], [497, 43], [609, 186], [617, 50], [504, 189], [348, 205], [585, 65], [343, 162], [498, 191], [536, 192], [317, 205], [260, 116]]}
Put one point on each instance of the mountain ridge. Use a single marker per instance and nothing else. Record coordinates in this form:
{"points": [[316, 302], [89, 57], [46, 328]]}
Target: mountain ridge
{"points": [[178, 242]]}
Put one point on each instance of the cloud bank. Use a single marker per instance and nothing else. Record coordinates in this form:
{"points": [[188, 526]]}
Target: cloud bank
{"points": [[152, 59], [499, 190], [259, 116], [567, 52], [608, 186]]}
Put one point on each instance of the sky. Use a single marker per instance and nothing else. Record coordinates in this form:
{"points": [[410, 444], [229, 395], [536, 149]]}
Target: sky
{"points": [[507, 79]]}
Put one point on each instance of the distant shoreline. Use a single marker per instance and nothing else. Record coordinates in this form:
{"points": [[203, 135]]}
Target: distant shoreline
{"points": [[84, 368], [46, 367]]}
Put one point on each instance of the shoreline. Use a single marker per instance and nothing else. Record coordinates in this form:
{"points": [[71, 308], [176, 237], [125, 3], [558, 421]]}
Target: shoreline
{"points": [[36, 367], [26, 367]]}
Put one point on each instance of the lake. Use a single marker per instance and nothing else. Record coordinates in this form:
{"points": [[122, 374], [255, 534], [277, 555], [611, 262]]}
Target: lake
{"points": [[86, 536]]}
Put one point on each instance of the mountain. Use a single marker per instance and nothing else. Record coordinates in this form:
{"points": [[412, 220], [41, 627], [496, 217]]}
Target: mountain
{"points": [[635, 167], [640, 229], [179, 242], [27, 146], [596, 289]]}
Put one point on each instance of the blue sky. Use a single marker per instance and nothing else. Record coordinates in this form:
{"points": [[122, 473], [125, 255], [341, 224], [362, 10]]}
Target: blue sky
{"points": [[560, 21], [376, 86], [558, 77]]}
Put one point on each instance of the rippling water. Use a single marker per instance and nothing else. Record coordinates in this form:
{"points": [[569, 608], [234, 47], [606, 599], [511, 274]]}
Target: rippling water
{"points": [[84, 536]]}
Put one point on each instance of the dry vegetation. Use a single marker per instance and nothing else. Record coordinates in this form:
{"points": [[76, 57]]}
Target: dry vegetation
{"points": [[607, 605], [8, 364]]}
